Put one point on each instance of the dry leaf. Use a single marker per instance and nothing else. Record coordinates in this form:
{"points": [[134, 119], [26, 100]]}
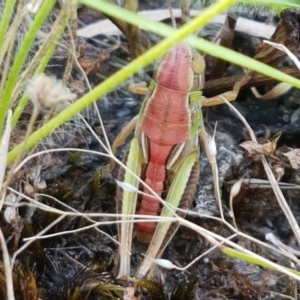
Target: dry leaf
{"points": [[293, 157], [11, 213], [253, 148]]}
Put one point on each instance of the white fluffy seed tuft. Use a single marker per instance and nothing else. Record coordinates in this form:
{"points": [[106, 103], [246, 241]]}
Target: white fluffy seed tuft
{"points": [[235, 189], [48, 92], [34, 6], [212, 147], [127, 187], [165, 263]]}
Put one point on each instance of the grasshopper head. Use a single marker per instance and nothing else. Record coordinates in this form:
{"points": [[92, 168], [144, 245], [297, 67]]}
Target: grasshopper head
{"points": [[182, 69]]}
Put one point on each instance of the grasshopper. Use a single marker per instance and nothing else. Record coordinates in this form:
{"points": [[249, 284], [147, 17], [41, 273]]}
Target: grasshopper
{"points": [[164, 153], [164, 150]]}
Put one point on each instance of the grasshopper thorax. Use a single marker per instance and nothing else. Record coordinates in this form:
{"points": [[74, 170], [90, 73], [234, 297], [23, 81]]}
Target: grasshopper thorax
{"points": [[180, 68]]}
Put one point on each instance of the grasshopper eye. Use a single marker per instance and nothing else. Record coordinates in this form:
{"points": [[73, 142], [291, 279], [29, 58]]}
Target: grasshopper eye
{"points": [[198, 67], [197, 63]]}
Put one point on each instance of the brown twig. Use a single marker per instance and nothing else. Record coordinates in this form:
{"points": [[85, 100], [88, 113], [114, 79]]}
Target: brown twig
{"points": [[221, 85]]}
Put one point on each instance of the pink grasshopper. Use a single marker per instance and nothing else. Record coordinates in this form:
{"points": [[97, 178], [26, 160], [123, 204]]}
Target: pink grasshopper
{"points": [[164, 153]]}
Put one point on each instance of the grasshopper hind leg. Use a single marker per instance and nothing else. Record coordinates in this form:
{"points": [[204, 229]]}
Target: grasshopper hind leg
{"points": [[184, 182], [126, 205]]}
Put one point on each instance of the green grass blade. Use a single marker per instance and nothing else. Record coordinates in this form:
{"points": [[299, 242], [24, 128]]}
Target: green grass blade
{"points": [[277, 5], [110, 83], [201, 44], [45, 52], [145, 59], [6, 17], [20, 58], [256, 260], [177, 188], [129, 201]]}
